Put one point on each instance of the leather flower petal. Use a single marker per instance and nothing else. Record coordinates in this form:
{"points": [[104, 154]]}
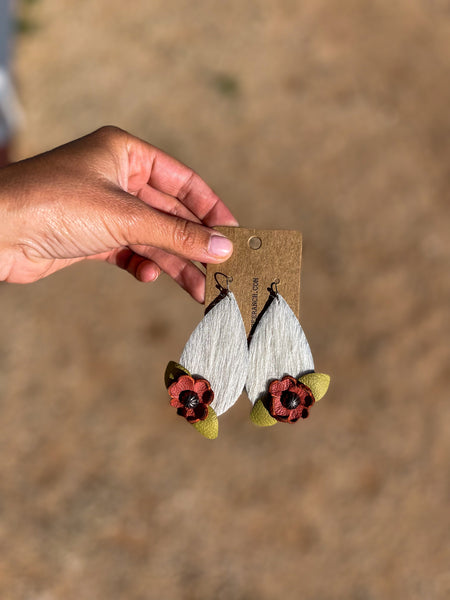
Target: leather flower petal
{"points": [[191, 397], [289, 400], [277, 387], [185, 382], [204, 391]]}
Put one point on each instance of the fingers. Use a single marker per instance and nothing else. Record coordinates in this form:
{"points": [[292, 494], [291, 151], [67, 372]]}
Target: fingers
{"points": [[146, 267], [151, 166], [142, 268], [142, 225], [166, 203], [184, 272]]}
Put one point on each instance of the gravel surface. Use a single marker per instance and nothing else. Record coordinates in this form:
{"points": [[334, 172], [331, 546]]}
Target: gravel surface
{"points": [[327, 116]]}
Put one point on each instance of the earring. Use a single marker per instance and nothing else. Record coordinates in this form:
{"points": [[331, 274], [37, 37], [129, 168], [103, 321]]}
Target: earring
{"points": [[282, 384], [213, 367]]}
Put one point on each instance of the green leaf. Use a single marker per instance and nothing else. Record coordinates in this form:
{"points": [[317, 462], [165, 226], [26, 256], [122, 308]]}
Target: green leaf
{"points": [[260, 415], [209, 428], [317, 382], [174, 372]]}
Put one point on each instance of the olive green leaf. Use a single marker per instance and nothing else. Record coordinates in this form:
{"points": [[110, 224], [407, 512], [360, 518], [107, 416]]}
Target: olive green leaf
{"points": [[317, 382], [260, 415], [209, 428], [173, 372]]}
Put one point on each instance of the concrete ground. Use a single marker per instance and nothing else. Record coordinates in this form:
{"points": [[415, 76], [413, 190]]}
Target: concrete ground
{"points": [[327, 116]]}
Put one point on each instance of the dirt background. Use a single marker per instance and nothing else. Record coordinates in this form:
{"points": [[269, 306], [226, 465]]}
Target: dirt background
{"points": [[327, 116]]}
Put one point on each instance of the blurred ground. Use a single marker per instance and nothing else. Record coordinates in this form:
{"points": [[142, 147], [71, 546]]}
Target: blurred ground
{"points": [[328, 116]]}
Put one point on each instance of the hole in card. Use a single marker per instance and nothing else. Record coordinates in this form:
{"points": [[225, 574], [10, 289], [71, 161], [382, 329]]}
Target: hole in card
{"points": [[255, 242]]}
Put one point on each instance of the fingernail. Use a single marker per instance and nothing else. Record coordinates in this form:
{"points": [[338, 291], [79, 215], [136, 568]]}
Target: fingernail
{"points": [[220, 246]]}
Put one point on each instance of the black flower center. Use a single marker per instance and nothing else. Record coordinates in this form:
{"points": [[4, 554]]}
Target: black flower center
{"points": [[189, 398], [290, 400], [307, 401]]}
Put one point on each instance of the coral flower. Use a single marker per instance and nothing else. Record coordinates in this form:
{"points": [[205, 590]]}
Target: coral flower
{"points": [[191, 397], [289, 400]]}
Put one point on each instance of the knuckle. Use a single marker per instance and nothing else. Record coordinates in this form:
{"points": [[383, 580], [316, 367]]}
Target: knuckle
{"points": [[184, 237], [187, 185], [110, 133]]}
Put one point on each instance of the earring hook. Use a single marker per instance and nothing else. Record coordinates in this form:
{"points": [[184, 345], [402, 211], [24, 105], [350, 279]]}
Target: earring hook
{"points": [[274, 287], [219, 286]]}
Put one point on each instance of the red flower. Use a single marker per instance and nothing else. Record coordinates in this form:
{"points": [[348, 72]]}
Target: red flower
{"points": [[191, 397], [289, 400]]}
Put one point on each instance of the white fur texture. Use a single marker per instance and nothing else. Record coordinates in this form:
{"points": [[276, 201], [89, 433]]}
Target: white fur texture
{"points": [[217, 351], [278, 347]]}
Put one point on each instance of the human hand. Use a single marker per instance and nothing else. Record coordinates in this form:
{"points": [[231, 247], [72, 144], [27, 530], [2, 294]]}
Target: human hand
{"points": [[112, 197]]}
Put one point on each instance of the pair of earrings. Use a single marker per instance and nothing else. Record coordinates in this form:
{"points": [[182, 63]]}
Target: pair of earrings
{"points": [[275, 366]]}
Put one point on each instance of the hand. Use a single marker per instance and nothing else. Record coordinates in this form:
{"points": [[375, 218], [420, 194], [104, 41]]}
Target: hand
{"points": [[112, 197]]}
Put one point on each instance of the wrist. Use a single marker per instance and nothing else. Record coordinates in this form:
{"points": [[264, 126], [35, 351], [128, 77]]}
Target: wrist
{"points": [[8, 224]]}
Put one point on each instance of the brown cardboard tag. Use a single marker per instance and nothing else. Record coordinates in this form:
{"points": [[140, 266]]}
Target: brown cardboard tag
{"points": [[260, 258]]}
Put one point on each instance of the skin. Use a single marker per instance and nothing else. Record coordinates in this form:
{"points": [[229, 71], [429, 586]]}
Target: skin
{"points": [[109, 196]]}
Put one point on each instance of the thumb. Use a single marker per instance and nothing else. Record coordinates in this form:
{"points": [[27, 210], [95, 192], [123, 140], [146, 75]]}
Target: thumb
{"points": [[146, 226]]}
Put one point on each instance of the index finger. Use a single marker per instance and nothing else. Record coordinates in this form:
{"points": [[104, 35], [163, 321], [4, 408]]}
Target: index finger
{"points": [[150, 165]]}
